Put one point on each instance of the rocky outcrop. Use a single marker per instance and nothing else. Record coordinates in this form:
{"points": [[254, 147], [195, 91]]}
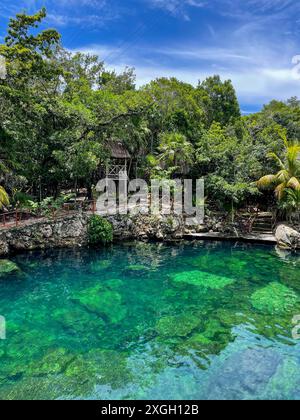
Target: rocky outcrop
{"points": [[4, 250], [148, 227], [287, 237], [67, 232], [71, 231]]}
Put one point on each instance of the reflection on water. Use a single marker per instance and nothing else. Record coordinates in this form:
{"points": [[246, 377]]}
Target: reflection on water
{"points": [[152, 321]]}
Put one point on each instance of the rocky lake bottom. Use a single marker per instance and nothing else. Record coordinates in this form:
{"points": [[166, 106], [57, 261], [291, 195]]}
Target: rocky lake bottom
{"points": [[151, 321]]}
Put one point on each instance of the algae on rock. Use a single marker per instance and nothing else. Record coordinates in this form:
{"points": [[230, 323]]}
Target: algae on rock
{"points": [[177, 326], [101, 367], [274, 299], [78, 320], [106, 303], [202, 279], [7, 268], [54, 362]]}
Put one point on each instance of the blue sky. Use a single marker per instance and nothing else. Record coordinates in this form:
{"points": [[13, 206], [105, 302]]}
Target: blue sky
{"points": [[252, 42]]}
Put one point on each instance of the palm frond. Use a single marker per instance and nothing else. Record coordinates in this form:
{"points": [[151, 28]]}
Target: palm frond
{"points": [[292, 200], [277, 159], [284, 139], [266, 182], [283, 176], [293, 153], [294, 183], [4, 198], [280, 190]]}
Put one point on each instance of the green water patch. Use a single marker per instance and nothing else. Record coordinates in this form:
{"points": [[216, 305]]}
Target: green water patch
{"points": [[233, 264], [151, 321], [106, 303], [177, 326], [202, 279], [76, 320], [100, 266], [212, 339], [274, 299], [8, 268], [135, 271]]}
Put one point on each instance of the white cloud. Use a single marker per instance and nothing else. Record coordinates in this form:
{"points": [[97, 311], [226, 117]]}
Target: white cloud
{"points": [[66, 12], [255, 82], [239, 9], [177, 7], [71, 12], [254, 51], [84, 21], [203, 54]]}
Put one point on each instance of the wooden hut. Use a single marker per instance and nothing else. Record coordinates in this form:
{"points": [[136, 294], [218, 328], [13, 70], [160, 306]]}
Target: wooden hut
{"points": [[117, 168]]}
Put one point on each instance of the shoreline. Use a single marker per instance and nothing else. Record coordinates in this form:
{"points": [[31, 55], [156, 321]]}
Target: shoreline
{"points": [[71, 232], [265, 239]]}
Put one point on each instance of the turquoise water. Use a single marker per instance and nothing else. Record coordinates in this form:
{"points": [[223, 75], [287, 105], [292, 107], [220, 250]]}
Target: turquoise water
{"points": [[152, 321]]}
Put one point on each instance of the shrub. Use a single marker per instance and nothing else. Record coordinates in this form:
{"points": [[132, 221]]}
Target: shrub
{"points": [[21, 199], [100, 231]]}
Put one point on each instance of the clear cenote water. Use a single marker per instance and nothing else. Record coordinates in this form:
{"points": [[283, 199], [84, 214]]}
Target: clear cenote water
{"points": [[152, 321]]}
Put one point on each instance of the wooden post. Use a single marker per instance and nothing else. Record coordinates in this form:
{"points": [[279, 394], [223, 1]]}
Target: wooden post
{"points": [[17, 222]]}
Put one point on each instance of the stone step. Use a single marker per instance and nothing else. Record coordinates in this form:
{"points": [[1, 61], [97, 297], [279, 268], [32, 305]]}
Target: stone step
{"points": [[263, 222], [262, 230], [266, 227]]}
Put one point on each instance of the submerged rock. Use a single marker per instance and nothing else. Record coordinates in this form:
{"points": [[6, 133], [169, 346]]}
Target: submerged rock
{"points": [[135, 271], [77, 320], [212, 340], [8, 267], [285, 384], [202, 279], [228, 265], [244, 374], [35, 388], [100, 367], [177, 326], [54, 362], [106, 303], [274, 299]]}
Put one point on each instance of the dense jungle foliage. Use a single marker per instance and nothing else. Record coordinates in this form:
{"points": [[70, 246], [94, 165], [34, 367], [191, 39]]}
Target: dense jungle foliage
{"points": [[59, 111]]}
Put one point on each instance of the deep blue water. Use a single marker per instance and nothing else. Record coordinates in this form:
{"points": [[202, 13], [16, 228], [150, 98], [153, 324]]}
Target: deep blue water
{"points": [[152, 321]]}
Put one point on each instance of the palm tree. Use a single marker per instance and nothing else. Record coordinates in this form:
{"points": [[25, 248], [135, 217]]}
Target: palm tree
{"points": [[291, 204], [175, 150], [4, 199], [288, 178]]}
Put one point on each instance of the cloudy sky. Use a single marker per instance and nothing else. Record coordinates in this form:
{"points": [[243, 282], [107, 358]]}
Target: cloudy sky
{"points": [[252, 42]]}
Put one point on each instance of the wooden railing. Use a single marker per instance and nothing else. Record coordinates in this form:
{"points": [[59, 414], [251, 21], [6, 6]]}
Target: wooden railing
{"points": [[22, 217], [12, 218], [116, 171]]}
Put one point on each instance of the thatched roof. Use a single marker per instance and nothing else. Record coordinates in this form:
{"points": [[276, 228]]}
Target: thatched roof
{"points": [[118, 150]]}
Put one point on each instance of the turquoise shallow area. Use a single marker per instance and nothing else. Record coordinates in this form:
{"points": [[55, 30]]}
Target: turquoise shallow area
{"points": [[152, 321]]}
